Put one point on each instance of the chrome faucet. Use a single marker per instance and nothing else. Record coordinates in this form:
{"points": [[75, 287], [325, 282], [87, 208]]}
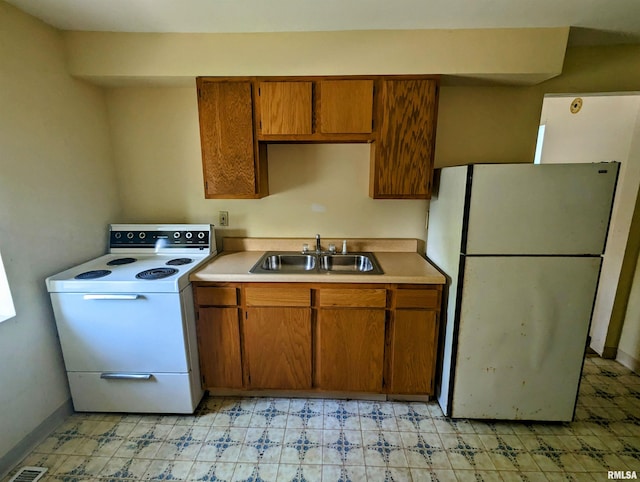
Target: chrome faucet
{"points": [[318, 246]]}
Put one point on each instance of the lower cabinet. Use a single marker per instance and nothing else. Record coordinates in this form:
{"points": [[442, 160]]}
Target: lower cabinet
{"points": [[328, 337], [350, 349], [277, 343], [219, 347], [412, 354]]}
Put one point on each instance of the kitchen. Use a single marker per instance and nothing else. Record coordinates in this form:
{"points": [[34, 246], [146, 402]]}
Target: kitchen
{"points": [[82, 156]]}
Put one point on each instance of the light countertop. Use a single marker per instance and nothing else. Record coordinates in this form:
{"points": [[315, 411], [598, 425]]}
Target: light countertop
{"points": [[398, 267]]}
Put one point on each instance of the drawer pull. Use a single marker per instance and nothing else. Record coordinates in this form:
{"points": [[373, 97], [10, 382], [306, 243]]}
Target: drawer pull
{"points": [[110, 297], [126, 376]]}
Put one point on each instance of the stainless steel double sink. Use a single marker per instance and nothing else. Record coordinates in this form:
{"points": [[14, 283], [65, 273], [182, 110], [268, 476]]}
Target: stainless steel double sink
{"points": [[295, 262]]}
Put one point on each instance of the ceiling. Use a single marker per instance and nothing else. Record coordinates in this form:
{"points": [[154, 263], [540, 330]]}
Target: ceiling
{"points": [[593, 22]]}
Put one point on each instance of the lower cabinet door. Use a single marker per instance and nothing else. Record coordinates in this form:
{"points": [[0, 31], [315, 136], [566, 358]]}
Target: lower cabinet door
{"points": [[219, 347], [413, 352], [278, 347], [350, 349]]}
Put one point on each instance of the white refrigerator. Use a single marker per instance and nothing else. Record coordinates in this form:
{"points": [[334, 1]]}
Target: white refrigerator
{"points": [[521, 245]]}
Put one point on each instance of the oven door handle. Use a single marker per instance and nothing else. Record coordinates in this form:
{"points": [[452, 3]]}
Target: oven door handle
{"points": [[126, 376], [110, 297]]}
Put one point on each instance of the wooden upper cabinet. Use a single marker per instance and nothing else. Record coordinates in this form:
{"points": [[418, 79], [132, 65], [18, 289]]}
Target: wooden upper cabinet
{"points": [[234, 165], [402, 155], [285, 108], [240, 116], [346, 106]]}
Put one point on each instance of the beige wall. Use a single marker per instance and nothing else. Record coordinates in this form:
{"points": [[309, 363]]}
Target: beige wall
{"points": [[521, 55], [324, 188], [313, 188], [58, 184], [500, 123], [57, 192], [629, 346]]}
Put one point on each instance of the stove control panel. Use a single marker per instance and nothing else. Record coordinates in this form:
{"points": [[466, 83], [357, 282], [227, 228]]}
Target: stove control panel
{"points": [[160, 237]]}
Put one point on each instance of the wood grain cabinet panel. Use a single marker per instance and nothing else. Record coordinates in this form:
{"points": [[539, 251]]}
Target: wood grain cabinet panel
{"points": [[234, 166], [319, 336], [276, 296], [350, 349], [346, 106], [285, 107], [410, 298], [223, 296], [278, 347], [413, 352], [402, 155], [353, 297], [239, 116], [219, 347]]}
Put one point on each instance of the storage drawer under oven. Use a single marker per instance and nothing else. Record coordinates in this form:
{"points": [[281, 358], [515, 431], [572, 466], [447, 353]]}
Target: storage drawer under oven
{"points": [[122, 332], [147, 393]]}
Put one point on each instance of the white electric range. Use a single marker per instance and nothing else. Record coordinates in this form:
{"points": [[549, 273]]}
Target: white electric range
{"points": [[126, 320]]}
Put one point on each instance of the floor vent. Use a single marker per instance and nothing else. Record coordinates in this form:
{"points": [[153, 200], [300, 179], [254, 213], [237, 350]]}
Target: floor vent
{"points": [[29, 474]]}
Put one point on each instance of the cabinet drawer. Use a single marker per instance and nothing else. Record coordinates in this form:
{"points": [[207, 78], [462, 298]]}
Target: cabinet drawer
{"points": [[277, 296], [418, 299], [360, 298], [162, 392], [226, 296]]}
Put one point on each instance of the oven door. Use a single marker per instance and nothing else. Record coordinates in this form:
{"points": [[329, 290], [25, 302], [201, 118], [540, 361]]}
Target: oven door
{"points": [[137, 332]]}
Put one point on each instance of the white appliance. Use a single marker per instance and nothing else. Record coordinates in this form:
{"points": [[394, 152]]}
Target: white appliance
{"points": [[594, 128], [521, 245], [126, 320]]}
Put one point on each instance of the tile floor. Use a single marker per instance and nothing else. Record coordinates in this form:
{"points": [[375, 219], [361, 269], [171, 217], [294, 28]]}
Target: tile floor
{"points": [[274, 439]]}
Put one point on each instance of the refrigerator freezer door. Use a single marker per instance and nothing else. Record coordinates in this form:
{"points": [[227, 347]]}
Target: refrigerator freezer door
{"points": [[522, 336], [527, 209]]}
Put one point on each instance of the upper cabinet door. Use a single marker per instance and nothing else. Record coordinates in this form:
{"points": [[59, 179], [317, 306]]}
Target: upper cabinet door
{"points": [[346, 106], [285, 108], [233, 165], [402, 155]]}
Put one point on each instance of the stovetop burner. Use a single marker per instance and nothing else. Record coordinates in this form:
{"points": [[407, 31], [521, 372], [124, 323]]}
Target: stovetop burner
{"points": [[156, 273], [179, 261], [120, 261], [96, 273]]}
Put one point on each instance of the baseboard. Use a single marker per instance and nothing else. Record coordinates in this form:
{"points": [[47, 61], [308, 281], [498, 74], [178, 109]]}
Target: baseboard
{"points": [[27, 444], [609, 352], [628, 361]]}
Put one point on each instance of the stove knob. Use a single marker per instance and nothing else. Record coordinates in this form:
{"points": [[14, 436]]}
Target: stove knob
{"points": [[142, 235], [130, 235], [176, 235], [189, 235], [201, 235]]}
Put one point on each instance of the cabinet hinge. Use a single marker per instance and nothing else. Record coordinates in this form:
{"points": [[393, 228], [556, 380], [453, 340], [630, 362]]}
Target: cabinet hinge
{"points": [[246, 315], [197, 315]]}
